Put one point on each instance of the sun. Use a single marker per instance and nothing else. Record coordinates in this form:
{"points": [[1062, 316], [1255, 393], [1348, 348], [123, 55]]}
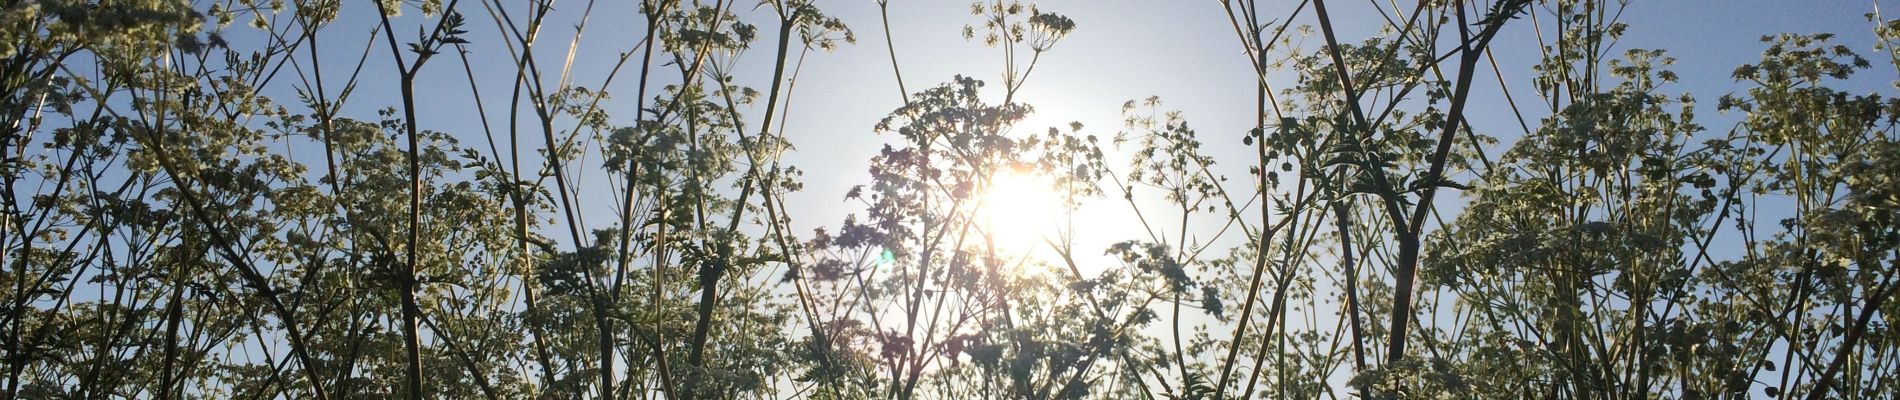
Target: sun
{"points": [[1019, 210]]}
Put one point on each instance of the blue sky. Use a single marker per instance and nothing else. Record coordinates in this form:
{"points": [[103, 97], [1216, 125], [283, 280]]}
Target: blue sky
{"points": [[1183, 51]]}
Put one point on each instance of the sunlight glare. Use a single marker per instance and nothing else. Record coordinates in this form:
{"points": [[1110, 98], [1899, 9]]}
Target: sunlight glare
{"points": [[1019, 211]]}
